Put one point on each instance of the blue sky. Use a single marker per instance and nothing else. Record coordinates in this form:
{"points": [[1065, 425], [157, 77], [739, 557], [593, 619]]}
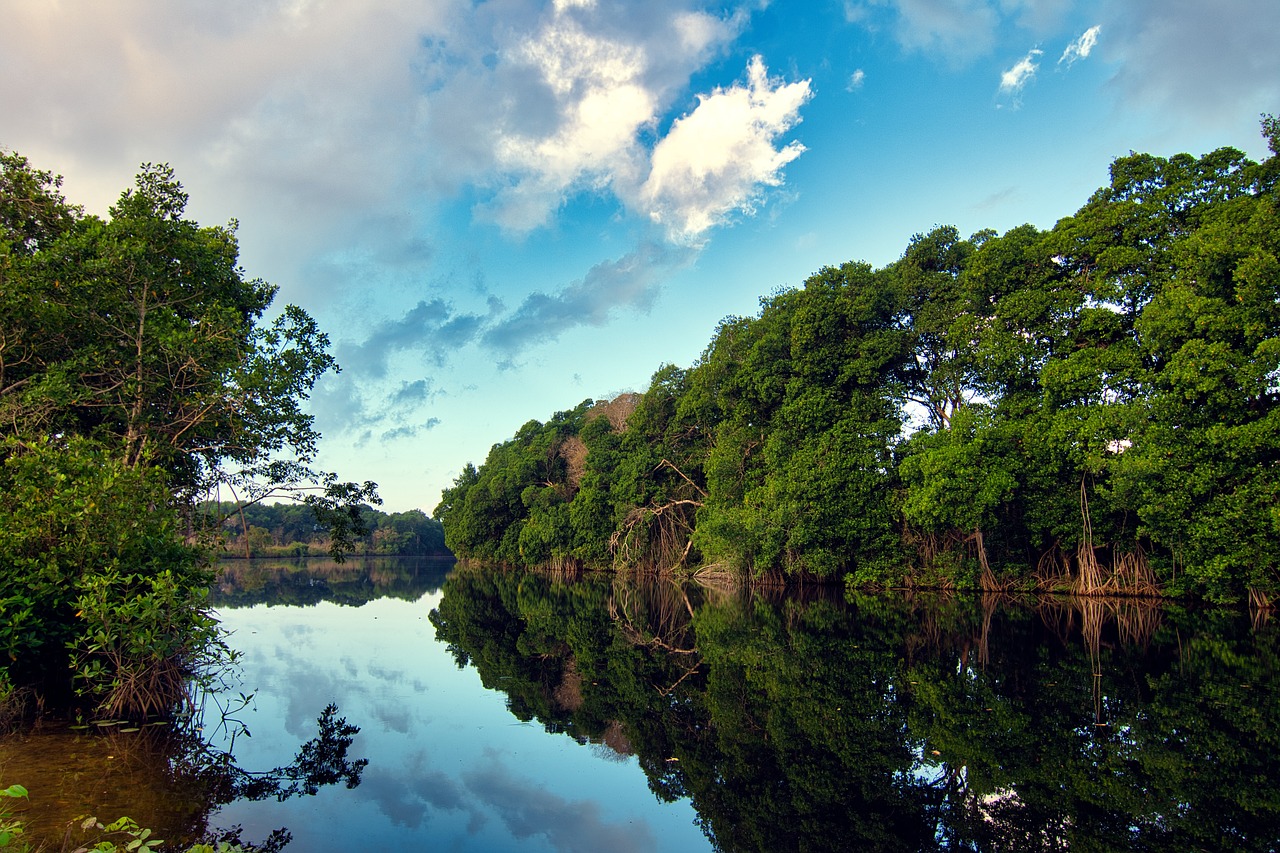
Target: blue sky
{"points": [[500, 209]]}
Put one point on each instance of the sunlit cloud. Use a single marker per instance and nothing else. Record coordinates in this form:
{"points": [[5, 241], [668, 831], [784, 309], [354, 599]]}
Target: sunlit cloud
{"points": [[1016, 78], [1081, 47], [856, 80], [715, 160], [579, 94]]}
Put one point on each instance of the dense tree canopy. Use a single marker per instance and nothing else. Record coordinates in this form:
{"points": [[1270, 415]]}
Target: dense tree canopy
{"points": [[1092, 407]]}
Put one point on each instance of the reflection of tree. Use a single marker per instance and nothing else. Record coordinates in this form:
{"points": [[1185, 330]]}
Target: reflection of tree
{"points": [[168, 779], [886, 724], [309, 581]]}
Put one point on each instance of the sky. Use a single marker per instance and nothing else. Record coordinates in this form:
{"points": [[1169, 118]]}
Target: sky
{"points": [[500, 209]]}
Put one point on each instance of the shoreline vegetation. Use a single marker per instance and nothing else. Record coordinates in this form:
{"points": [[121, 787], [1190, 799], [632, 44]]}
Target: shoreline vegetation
{"points": [[1088, 409], [141, 372], [290, 530]]}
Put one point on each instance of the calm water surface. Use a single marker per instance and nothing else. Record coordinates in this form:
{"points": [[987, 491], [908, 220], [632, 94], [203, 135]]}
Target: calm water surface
{"points": [[516, 711], [449, 767]]}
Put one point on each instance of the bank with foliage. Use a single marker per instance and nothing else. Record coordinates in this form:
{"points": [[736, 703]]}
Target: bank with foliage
{"points": [[292, 530], [1092, 407], [140, 371]]}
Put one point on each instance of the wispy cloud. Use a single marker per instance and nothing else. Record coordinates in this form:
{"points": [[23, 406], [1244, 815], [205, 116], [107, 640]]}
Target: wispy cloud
{"points": [[432, 332], [957, 30], [1015, 79], [432, 329], [1081, 47], [714, 161], [631, 281], [856, 80]]}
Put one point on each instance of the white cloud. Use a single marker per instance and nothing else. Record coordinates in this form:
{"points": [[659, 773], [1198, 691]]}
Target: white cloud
{"points": [[601, 101], [1016, 78], [856, 80], [586, 89], [1081, 47], [714, 160]]}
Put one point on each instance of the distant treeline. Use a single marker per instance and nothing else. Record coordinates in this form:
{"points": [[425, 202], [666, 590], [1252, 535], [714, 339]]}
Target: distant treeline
{"points": [[1091, 408], [291, 529]]}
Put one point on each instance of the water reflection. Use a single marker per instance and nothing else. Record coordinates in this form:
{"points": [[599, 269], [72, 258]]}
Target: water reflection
{"points": [[307, 581], [687, 717], [168, 778], [897, 724]]}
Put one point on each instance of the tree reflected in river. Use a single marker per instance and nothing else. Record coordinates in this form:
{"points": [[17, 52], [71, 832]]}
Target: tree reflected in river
{"points": [[927, 722], [307, 581], [168, 779]]}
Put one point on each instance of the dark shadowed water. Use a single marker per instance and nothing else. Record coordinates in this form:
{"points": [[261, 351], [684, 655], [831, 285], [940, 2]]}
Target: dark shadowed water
{"points": [[518, 711]]}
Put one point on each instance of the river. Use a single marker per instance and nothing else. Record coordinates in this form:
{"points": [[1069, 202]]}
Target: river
{"points": [[520, 711]]}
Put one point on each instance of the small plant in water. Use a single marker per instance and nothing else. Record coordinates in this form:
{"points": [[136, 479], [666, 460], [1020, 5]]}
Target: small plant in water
{"points": [[11, 827], [132, 837]]}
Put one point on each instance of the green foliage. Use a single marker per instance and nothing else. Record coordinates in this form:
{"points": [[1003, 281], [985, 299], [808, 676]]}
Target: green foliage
{"points": [[1094, 407], [73, 516], [293, 529], [11, 827], [146, 644], [137, 371]]}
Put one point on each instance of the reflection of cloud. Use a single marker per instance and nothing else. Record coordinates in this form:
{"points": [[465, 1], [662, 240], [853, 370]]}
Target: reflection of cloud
{"points": [[407, 796], [529, 811]]}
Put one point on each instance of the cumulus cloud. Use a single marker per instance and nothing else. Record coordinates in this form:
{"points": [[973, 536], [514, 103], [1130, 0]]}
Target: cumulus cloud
{"points": [[576, 94], [1013, 80], [1081, 47], [714, 160], [597, 92]]}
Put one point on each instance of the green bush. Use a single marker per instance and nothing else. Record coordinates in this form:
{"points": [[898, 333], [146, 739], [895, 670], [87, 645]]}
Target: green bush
{"points": [[93, 564]]}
